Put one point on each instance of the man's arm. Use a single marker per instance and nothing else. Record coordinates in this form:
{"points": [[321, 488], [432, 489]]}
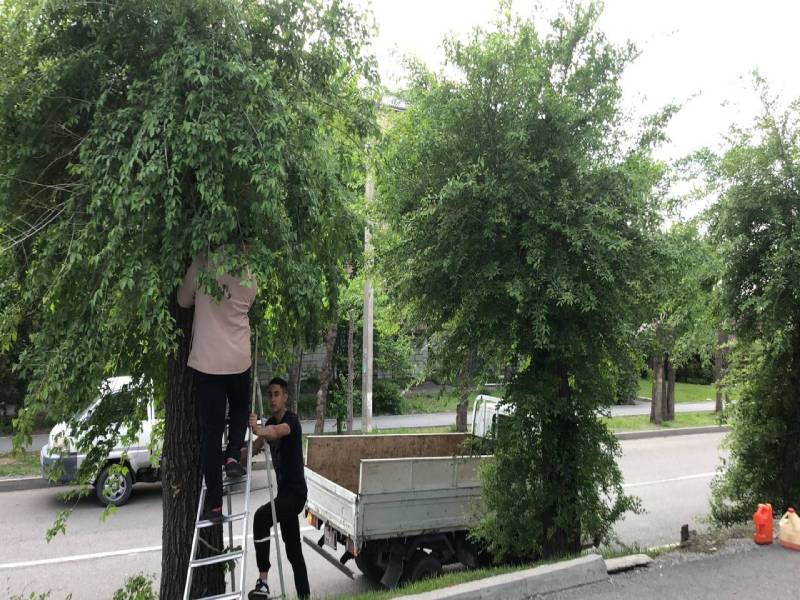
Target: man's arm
{"points": [[269, 432], [188, 287]]}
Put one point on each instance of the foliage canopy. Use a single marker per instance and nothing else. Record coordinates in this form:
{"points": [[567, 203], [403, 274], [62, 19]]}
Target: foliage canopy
{"points": [[522, 224]]}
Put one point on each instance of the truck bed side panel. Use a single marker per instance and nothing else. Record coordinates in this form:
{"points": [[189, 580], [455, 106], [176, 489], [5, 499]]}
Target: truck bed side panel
{"points": [[332, 503], [410, 496]]}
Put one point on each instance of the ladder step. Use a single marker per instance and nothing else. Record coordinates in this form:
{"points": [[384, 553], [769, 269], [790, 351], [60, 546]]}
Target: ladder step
{"points": [[229, 482], [214, 560], [242, 491], [227, 596], [225, 519], [226, 483]]}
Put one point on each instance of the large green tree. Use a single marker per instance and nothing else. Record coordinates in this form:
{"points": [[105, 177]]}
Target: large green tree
{"points": [[685, 303], [522, 222], [135, 135], [757, 224]]}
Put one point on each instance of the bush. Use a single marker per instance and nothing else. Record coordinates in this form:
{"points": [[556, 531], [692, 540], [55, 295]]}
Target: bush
{"points": [[139, 587], [386, 398]]}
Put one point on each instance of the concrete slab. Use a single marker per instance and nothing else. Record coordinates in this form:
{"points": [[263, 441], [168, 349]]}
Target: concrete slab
{"points": [[522, 585], [625, 563]]}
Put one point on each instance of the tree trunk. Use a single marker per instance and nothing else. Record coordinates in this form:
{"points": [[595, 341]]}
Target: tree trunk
{"points": [[719, 368], [295, 375], [659, 389], [350, 372], [461, 412], [669, 406], [325, 378], [464, 380], [561, 517], [181, 476]]}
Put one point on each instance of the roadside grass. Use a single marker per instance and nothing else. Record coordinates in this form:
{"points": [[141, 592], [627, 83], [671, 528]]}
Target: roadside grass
{"points": [[431, 403], [23, 464], [684, 392], [620, 550], [711, 540], [642, 422], [428, 585]]}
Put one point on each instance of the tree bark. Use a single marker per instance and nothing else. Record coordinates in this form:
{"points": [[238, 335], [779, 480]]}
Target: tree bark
{"points": [[719, 368], [325, 378], [461, 412], [659, 388], [295, 375], [669, 406], [350, 372], [181, 476]]}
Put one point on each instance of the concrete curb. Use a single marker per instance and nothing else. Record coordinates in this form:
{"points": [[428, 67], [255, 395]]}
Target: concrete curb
{"points": [[654, 433], [22, 483], [626, 563], [522, 585]]}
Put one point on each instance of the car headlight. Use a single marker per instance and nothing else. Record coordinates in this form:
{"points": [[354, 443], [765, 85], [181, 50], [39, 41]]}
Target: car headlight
{"points": [[61, 445]]}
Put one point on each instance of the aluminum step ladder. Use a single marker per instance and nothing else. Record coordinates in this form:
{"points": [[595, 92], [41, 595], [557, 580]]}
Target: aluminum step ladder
{"points": [[232, 553]]}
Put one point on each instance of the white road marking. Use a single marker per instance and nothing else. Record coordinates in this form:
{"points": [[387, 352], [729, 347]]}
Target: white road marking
{"points": [[657, 481], [125, 552]]}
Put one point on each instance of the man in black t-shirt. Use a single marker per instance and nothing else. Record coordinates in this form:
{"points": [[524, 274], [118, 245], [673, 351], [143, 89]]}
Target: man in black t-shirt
{"points": [[285, 438]]}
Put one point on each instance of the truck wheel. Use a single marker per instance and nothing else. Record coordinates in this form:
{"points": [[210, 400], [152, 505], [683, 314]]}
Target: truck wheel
{"points": [[422, 566], [113, 489], [367, 563]]}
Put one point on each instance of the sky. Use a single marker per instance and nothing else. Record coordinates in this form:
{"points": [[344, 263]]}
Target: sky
{"points": [[700, 53]]}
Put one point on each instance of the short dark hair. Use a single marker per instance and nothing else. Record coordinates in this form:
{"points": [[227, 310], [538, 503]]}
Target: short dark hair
{"points": [[281, 382]]}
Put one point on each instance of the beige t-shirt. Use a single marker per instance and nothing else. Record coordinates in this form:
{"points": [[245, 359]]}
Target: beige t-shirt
{"points": [[221, 330]]}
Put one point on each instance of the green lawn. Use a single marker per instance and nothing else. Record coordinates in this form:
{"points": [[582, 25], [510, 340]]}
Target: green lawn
{"points": [[446, 402], [684, 392], [21, 465], [431, 403], [641, 422]]}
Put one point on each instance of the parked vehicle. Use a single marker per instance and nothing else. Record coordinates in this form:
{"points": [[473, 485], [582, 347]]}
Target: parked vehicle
{"points": [[486, 412], [400, 505], [112, 486]]}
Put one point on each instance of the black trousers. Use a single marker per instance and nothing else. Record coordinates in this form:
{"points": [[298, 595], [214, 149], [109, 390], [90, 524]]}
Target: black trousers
{"points": [[288, 505], [212, 394]]}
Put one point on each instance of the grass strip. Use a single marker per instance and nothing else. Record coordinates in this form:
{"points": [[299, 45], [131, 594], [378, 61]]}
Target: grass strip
{"points": [[22, 464]]}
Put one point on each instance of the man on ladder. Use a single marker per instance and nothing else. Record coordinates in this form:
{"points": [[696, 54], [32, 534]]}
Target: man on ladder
{"points": [[284, 434], [221, 360]]}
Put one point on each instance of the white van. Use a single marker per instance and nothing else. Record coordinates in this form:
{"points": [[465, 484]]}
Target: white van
{"points": [[110, 486], [486, 412]]}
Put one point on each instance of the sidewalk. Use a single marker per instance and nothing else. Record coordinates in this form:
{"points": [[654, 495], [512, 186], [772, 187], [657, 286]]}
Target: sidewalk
{"points": [[745, 571]]}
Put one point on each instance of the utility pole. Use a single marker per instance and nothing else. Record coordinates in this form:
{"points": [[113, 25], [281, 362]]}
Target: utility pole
{"points": [[369, 296]]}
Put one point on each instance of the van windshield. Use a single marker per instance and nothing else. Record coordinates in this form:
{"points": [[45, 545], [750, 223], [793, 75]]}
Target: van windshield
{"points": [[116, 406]]}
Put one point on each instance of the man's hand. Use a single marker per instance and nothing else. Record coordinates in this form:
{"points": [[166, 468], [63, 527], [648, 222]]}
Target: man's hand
{"points": [[259, 430]]}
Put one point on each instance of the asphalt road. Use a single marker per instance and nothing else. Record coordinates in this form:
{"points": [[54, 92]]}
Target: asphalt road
{"points": [[750, 572], [671, 475], [421, 420]]}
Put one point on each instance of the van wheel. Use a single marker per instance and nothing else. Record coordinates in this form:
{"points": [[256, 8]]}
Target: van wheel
{"points": [[422, 566], [113, 488]]}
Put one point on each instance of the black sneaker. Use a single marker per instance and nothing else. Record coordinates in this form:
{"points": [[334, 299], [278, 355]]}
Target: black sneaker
{"points": [[260, 592], [212, 514], [233, 470]]}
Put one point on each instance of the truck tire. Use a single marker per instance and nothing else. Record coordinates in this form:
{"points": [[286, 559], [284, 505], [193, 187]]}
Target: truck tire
{"points": [[113, 489], [422, 566], [368, 561]]}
